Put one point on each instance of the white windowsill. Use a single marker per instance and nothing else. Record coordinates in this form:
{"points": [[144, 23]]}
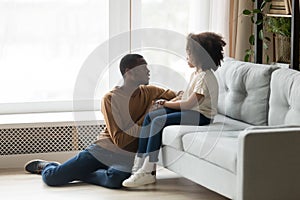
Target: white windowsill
{"points": [[36, 119]]}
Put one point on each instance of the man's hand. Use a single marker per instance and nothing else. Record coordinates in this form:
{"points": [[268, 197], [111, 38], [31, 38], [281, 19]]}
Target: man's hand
{"points": [[160, 102], [157, 104]]}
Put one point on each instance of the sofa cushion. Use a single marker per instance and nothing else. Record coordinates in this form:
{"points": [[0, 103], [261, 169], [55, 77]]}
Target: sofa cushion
{"points": [[221, 151], [244, 90], [229, 122], [285, 98], [172, 135]]}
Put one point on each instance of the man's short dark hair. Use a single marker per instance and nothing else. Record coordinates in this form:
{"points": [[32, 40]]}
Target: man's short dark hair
{"points": [[129, 61]]}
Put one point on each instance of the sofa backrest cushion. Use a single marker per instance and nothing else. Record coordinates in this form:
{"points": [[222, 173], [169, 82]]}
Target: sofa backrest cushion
{"points": [[285, 98], [244, 90]]}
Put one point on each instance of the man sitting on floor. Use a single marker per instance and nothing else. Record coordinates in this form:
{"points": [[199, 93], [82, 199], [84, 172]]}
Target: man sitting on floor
{"points": [[109, 160]]}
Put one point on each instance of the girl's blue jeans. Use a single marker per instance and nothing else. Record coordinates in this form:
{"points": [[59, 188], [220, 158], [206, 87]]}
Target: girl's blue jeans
{"points": [[154, 122]]}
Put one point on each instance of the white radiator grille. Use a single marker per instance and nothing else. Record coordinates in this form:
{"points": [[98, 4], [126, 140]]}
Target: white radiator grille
{"points": [[47, 139]]}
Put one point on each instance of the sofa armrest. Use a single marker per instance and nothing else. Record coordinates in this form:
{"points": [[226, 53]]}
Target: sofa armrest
{"points": [[268, 164]]}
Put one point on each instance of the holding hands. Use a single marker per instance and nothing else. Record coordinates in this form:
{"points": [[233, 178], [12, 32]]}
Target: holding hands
{"points": [[160, 103], [157, 104]]}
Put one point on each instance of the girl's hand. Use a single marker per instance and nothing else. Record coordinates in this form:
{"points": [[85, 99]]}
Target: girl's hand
{"points": [[178, 96], [179, 93]]}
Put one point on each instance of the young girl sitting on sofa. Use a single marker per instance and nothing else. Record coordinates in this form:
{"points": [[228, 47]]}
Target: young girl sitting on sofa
{"points": [[198, 105]]}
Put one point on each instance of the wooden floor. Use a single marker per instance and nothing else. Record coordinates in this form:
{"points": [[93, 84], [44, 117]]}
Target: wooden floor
{"points": [[17, 185]]}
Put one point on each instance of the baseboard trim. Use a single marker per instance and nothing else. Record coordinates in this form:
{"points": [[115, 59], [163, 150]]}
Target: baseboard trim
{"points": [[18, 161]]}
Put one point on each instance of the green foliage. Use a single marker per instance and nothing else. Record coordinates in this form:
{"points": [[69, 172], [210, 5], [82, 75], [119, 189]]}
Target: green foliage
{"points": [[253, 15], [252, 39], [279, 25], [247, 12]]}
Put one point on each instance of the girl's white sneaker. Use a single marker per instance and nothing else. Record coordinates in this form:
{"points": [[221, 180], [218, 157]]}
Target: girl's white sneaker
{"points": [[138, 163], [139, 178]]}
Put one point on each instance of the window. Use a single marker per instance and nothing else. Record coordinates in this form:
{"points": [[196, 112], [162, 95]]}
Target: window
{"points": [[43, 45]]}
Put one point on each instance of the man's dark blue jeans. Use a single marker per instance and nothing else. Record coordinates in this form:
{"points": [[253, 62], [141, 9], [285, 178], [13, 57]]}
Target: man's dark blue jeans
{"points": [[86, 168]]}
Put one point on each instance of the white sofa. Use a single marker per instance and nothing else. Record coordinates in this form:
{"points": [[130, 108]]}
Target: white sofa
{"points": [[252, 150]]}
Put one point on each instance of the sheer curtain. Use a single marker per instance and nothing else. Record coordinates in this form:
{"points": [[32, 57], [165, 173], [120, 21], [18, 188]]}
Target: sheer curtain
{"points": [[211, 15], [219, 20], [226, 18], [182, 17]]}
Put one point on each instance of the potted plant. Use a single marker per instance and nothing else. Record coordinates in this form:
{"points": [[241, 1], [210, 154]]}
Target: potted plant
{"points": [[281, 29], [264, 7]]}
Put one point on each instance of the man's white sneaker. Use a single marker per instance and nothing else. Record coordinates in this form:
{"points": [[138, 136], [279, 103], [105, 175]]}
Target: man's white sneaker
{"points": [[139, 178]]}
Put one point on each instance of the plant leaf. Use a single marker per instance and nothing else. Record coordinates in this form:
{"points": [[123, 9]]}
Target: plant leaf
{"points": [[247, 12], [265, 46], [261, 35], [268, 59], [259, 22], [268, 39], [255, 11], [252, 39], [263, 5], [249, 52], [246, 58]]}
